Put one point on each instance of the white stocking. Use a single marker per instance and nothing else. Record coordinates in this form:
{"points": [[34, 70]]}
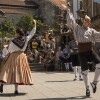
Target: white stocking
{"points": [[75, 71], [79, 71], [97, 73], [66, 66], [85, 78]]}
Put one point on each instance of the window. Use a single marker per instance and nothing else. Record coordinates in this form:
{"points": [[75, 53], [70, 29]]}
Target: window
{"points": [[96, 7]]}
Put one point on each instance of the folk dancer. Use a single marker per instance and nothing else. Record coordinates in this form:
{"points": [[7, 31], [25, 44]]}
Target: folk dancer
{"points": [[16, 69], [85, 37]]}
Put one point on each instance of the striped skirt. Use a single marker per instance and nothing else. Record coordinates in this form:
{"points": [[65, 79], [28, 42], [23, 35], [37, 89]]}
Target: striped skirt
{"points": [[16, 70]]}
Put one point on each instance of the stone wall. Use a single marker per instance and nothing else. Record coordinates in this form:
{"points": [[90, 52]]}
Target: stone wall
{"points": [[46, 11]]}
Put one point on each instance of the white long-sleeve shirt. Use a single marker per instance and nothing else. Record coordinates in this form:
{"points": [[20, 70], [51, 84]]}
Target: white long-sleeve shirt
{"points": [[13, 47], [80, 33]]}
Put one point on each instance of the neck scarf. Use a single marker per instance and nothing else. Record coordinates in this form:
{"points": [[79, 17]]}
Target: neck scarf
{"points": [[19, 41]]}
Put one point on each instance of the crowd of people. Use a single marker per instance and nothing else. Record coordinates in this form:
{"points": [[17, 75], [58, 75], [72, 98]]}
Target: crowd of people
{"points": [[43, 50]]}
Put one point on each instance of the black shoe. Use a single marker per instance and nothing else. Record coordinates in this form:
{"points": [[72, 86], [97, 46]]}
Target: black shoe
{"points": [[80, 79], [94, 88], [87, 92], [16, 92], [75, 79], [1, 88]]}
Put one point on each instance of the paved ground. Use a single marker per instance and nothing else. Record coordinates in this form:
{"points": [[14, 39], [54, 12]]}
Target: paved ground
{"points": [[51, 86]]}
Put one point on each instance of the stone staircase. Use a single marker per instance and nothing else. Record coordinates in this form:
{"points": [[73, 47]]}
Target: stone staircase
{"points": [[36, 67]]}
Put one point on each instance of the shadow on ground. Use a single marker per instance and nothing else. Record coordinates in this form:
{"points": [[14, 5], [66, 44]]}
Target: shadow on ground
{"points": [[61, 81], [69, 98], [11, 94]]}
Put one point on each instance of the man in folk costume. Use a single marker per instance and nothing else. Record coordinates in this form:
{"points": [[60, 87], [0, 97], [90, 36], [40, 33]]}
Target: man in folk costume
{"points": [[16, 69], [85, 37]]}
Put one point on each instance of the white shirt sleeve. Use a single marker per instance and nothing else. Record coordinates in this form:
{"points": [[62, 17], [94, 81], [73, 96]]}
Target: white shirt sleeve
{"points": [[71, 20], [71, 23]]}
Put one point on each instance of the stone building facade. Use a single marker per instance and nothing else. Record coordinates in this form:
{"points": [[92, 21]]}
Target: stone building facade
{"points": [[51, 11], [92, 7], [16, 9], [46, 11]]}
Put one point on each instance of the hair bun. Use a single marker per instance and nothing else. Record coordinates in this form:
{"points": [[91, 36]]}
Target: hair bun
{"points": [[20, 31]]}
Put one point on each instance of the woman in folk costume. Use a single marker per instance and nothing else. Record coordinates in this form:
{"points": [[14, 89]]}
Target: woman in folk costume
{"points": [[16, 69], [85, 37]]}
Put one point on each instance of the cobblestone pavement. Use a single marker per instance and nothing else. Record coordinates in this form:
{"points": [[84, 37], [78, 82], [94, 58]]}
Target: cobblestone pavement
{"points": [[51, 86]]}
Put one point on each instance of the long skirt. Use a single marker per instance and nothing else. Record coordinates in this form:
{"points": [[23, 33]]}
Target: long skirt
{"points": [[16, 70]]}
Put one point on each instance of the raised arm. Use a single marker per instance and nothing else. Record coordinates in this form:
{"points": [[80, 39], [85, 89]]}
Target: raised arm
{"points": [[33, 31], [71, 20]]}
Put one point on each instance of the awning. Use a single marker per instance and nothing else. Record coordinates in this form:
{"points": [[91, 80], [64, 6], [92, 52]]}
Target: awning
{"points": [[62, 4]]}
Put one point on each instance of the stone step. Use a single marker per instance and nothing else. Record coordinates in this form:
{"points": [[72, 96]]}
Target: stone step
{"points": [[36, 67]]}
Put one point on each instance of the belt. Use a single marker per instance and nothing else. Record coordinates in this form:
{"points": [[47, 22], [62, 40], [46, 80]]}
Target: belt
{"points": [[84, 47]]}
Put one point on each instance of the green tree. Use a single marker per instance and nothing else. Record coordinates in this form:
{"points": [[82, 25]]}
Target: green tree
{"points": [[25, 22], [7, 28]]}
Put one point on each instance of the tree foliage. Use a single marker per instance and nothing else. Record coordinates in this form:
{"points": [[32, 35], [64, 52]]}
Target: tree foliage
{"points": [[25, 22], [7, 28]]}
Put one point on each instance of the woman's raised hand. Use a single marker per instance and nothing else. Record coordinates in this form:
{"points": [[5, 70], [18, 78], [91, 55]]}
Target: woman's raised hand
{"points": [[34, 22]]}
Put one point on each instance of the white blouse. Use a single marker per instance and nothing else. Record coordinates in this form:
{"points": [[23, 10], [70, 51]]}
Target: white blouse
{"points": [[13, 47]]}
